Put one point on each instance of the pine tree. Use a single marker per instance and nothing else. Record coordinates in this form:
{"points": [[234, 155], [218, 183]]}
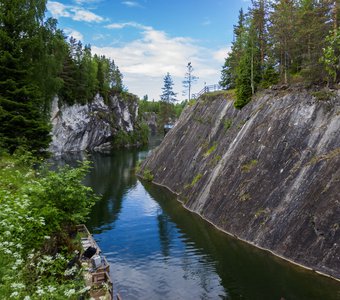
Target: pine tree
{"points": [[229, 73]]}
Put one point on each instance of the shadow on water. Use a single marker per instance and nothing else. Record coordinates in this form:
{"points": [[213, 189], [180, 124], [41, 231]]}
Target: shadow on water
{"points": [[246, 272]]}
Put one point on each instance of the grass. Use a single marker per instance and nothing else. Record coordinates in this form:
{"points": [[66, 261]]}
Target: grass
{"points": [[227, 124], [332, 154], [247, 167], [210, 150], [194, 181], [215, 160]]}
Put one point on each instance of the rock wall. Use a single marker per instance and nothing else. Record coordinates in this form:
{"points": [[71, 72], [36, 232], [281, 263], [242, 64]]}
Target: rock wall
{"points": [[91, 126], [268, 174]]}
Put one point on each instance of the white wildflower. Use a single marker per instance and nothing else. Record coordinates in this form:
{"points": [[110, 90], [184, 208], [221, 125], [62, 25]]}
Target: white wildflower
{"points": [[46, 237], [40, 291], [27, 298], [84, 290], [7, 251], [17, 286], [51, 289], [70, 292], [14, 294], [71, 271]]}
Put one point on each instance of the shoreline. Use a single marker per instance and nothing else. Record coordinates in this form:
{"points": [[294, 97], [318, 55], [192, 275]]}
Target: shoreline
{"points": [[243, 240]]}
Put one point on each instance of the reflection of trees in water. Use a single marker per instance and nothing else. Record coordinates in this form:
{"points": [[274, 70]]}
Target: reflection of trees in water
{"points": [[165, 233], [112, 176]]}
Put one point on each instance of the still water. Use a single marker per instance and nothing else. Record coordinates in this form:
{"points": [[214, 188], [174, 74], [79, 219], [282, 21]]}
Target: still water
{"points": [[158, 250]]}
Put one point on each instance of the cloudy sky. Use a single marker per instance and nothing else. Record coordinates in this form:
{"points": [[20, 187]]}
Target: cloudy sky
{"points": [[148, 38]]}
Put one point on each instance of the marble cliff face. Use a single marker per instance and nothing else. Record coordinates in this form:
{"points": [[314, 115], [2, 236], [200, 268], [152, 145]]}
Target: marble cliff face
{"points": [[91, 126], [268, 174]]}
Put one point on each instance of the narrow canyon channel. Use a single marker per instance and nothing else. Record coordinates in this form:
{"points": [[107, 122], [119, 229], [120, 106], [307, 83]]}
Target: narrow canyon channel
{"points": [[158, 250]]}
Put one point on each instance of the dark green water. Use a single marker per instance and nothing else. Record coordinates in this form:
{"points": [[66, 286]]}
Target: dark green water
{"points": [[158, 250]]}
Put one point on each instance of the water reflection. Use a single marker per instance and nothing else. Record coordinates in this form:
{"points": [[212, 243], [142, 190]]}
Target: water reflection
{"points": [[245, 271], [158, 250], [112, 177]]}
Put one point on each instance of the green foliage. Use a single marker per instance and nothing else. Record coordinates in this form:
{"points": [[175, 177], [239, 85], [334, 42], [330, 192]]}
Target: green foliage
{"points": [[283, 42], [331, 55], [147, 175], [227, 124], [23, 108], [168, 94], [210, 150], [215, 160], [38, 208], [247, 167], [323, 95], [148, 106], [194, 181], [139, 136]]}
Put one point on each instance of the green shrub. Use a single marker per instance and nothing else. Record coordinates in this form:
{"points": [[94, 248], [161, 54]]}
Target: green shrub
{"points": [[147, 175], [323, 95], [247, 167], [38, 208], [227, 124], [210, 150], [194, 181]]}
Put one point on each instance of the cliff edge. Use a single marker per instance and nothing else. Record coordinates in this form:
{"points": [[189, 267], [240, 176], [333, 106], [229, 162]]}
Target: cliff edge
{"points": [[268, 174], [95, 126]]}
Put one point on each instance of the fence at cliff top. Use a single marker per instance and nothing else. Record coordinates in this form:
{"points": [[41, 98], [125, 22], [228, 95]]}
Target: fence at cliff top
{"points": [[207, 89]]}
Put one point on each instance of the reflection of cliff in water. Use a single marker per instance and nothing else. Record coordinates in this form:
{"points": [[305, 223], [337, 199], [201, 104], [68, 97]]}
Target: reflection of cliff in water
{"points": [[112, 176], [234, 259]]}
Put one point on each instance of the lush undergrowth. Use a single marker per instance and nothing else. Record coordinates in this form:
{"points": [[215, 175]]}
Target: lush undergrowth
{"points": [[39, 211]]}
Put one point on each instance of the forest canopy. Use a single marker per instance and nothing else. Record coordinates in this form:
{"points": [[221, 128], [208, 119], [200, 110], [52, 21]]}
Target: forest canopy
{"points": [[37, 62], [283, 41]]}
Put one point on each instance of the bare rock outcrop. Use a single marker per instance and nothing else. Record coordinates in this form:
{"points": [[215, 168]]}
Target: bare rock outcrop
{"points": [[268, 174]]}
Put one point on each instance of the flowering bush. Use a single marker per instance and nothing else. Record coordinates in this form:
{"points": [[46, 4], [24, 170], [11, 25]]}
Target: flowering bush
{"points": [[38, 210]]}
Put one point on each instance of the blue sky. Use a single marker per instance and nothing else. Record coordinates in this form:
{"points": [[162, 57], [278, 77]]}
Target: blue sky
{"points": [[148, 38]]}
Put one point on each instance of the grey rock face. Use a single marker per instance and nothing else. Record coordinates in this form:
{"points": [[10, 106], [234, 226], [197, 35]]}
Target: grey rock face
{"points": [[150, 118], [91, 126], [268, 174]]}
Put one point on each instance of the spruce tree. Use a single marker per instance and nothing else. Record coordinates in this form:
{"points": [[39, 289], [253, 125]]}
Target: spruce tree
{"points": [[22, 114], [168, 94]]}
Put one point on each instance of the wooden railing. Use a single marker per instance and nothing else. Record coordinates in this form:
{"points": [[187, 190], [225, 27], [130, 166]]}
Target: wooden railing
{"points": [[207, 89]]}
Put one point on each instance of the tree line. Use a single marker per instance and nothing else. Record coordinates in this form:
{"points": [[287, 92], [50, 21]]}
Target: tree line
{"points": [[283, 41], [37, 62]]}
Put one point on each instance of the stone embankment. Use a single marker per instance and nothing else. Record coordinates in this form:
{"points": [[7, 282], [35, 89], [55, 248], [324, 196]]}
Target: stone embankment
{"points": [[268, 174]]}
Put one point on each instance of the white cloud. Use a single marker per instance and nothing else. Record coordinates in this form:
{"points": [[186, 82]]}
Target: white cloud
{"points": [[131, 3], [146, 60], [76, 34], [58, 9], [128, 24], [85, 15], [86, 1], [221, 54], [77, 13]]}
